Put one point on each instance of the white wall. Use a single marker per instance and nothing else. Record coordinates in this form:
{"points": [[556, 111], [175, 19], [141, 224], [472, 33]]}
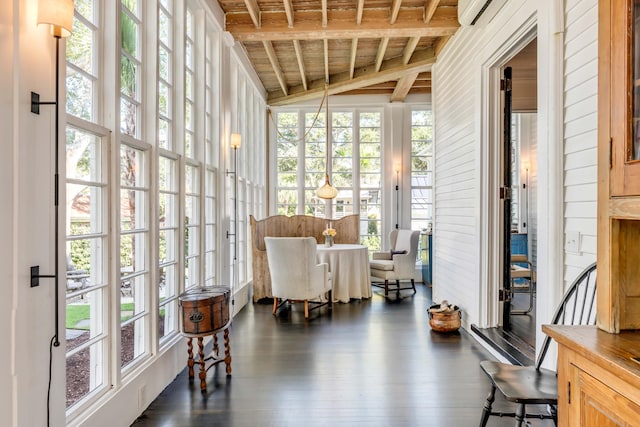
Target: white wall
{"points": [[580, 132], [565, 196], [7, 215]]}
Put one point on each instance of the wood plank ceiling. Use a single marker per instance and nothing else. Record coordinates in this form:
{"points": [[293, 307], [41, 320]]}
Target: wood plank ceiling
{"points": [[354, 46]]}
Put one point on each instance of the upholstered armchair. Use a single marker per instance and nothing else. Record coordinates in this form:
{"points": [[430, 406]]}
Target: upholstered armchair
{"points": [[397, 264], [295, 273]]}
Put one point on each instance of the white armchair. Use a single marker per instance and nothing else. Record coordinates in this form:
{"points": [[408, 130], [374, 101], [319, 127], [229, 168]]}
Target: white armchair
{"points": [[397, 264], [295, 273]]}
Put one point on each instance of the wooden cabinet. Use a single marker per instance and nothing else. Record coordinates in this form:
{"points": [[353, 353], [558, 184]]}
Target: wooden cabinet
{"points": [[619, 165], [598, 377]]}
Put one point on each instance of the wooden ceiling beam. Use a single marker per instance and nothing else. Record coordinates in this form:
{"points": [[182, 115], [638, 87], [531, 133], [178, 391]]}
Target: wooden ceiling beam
{"points": [[325, 14], [363, 77], [288, 9], [402, 88], [395, 9], [299, 57], [254, 12], [382, 49], [307, 26], [275, 64], [409, 49], [429, 9], [352, 62], [440, 43], [359, 10], [326, 60]]}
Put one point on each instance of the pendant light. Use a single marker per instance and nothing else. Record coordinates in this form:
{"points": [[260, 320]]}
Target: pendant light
{"points": [[327, 191]]}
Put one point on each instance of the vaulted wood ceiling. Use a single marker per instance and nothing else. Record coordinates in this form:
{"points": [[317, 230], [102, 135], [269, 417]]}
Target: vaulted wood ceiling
{"points": [[356, 46]]}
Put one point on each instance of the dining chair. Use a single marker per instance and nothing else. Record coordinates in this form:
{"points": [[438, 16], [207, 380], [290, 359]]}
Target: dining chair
{"points": [[523, 280], [534, 385], [398, 264], [296, 274]]}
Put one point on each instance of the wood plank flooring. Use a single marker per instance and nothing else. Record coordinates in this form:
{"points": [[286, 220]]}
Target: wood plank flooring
{"points": [[373, 362]]}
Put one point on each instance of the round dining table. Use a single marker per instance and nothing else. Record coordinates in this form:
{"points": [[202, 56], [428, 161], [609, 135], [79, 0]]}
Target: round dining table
{"points": [[349, 267]]}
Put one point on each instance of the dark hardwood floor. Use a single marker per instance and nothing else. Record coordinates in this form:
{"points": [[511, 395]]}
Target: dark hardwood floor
{"points": [[372, 363]]}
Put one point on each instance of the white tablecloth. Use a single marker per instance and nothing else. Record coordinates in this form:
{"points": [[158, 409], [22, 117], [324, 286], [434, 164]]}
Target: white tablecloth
{"points": [[349, 267]]}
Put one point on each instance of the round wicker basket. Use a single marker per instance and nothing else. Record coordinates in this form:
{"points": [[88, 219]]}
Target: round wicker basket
{"points": [[445, 321]]}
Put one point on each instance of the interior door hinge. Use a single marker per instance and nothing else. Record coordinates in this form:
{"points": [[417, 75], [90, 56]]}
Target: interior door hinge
{"points": [[569, 392], [502, 84], [504, 296], [505, 193]]}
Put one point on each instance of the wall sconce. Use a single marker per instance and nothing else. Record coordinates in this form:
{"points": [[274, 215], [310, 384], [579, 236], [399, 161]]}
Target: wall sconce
{"points": [[396, 168], [235, 141], [58, 14]]}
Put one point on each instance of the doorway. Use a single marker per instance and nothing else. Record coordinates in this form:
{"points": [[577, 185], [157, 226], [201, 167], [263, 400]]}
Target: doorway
{"points": [[519, 172], [510, 187]]}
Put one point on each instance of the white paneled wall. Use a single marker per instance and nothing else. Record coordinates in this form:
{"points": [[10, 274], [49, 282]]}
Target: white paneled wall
{"points": [[580, 131], [457, 118], [461, 104]]}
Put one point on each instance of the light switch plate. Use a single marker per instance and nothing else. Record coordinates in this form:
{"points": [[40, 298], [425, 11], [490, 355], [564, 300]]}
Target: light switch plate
{"points": [[572, 242]]}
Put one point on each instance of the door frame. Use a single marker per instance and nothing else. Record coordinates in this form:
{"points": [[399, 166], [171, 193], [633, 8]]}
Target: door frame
{"points": [[548, 23], [490, 176]]}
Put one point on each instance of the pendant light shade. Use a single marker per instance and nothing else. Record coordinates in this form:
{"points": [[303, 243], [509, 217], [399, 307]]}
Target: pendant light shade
{"points": [[327, 191], [58, 14]]}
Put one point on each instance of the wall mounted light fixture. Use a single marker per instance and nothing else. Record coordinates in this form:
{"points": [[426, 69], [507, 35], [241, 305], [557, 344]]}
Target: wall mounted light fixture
{"points": [[396, 168], [58, 14], [235, 141]]}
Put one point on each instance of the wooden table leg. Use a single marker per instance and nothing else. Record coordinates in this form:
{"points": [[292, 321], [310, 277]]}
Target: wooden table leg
{"points": [[215, 344], [203, 371], [190, 361], [227, 351]]}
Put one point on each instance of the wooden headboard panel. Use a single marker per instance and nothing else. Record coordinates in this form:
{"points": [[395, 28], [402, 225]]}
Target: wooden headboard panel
{"points": [[291, 226]]}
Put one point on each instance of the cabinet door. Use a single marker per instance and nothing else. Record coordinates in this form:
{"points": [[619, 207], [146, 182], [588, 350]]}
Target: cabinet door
{"points": [[624, 83], [593, 404]]}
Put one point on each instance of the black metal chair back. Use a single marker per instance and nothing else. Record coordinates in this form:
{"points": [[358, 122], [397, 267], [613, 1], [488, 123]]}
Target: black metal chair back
{"points": [[576, 308], [535, 385]]}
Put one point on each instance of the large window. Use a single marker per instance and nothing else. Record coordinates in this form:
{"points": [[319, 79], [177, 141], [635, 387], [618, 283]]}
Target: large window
{"points": [[168, 244], [87, 189], [86, 275], [370, 136], [421, 169], [130, 67], [355, 166], [134, 253], [145, 207], [288, 143]]}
